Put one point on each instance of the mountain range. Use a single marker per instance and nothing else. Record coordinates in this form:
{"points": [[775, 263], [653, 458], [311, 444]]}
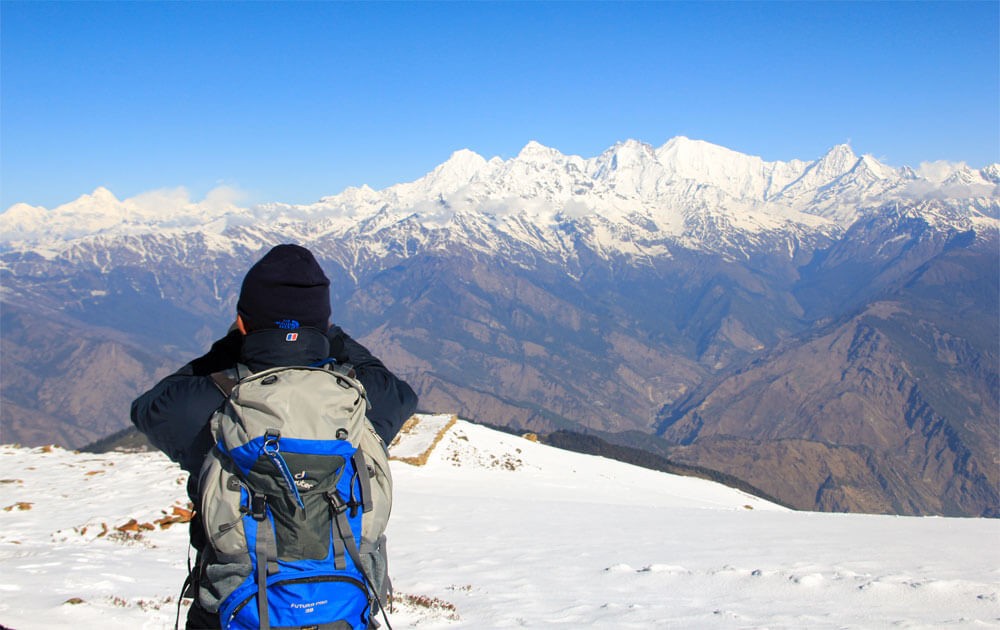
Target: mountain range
{"points": [[826, 330]]}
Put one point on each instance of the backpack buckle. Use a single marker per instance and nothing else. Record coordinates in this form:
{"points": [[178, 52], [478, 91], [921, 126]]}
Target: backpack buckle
{"points": [[337, 504], [258, 507]]}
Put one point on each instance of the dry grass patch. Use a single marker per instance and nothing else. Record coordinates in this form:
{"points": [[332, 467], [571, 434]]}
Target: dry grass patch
{"points": [[421, 459]]}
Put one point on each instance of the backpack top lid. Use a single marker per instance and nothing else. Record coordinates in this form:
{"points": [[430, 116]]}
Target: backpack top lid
{"points": [[304, 409]]}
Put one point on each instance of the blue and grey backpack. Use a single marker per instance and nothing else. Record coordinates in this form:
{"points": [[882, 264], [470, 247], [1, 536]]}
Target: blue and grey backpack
{"points": [[294, 497]]}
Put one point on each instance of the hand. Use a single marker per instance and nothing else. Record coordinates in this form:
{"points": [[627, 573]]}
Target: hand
{"points": [[223, 355], [338, 351]]}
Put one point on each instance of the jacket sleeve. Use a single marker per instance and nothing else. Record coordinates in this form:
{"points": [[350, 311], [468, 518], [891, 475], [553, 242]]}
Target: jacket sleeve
{"points": [[174, 415], [392, 400]]}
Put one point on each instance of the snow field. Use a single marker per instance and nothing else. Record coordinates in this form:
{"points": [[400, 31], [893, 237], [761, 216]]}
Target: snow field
{"points": [[496, 531], [64, 564], [580, 541]]}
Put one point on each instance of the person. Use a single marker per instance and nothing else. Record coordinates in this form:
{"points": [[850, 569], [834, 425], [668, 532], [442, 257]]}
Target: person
{"points": [[284, 291]]}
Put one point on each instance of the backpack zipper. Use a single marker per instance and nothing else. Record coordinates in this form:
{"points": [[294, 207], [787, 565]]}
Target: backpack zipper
{"points": [[305, 580]]}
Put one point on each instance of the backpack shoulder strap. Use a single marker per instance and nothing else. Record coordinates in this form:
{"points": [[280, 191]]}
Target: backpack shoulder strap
{"points": [[347, 369], [226, 380]]}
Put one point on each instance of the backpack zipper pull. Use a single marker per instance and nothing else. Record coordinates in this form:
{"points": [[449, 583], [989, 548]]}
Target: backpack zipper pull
{"points": [[271, 449]]}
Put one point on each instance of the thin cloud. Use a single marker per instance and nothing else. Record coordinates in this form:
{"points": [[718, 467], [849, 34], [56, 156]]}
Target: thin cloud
{"points": [[939, 170], [177, 202], [942, 179]]}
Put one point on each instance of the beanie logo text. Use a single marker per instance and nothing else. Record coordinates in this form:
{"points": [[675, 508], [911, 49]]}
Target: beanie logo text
{"points": [[287, 324]]}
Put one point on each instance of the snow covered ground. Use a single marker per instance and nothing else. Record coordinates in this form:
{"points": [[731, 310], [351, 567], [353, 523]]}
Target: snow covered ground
{"points": [[496, 531]]}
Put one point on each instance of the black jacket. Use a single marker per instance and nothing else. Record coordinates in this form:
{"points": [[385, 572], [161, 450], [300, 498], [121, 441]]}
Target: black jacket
{"points": [[175, 413]]}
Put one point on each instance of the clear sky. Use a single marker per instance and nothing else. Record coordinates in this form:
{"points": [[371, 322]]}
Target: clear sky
{"points": [[293, 101]]}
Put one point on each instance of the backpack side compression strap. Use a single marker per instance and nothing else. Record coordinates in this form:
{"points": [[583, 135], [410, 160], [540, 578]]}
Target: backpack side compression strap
{"points": [[358, 459], [265, 549], [339, 509]]}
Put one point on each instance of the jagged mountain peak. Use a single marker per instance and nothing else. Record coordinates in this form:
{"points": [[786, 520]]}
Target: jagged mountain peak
{"points": [[630, 154], [838, 160], [535, 151], [818, 178], [631, 147], [461, 168], [991, 173], [362, 192], [870, 170], [963, 175], [874, 165], [634, 146]]}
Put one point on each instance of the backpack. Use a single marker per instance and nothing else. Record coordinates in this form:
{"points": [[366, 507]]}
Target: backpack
{"points": [[295, 497]]}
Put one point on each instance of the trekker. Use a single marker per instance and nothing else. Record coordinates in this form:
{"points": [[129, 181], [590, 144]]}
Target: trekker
{"points": [[284, 296]]}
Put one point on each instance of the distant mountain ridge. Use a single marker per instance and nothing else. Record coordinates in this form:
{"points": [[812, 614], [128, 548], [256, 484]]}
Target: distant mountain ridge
{"points": [[642, 290], [669, 185]]}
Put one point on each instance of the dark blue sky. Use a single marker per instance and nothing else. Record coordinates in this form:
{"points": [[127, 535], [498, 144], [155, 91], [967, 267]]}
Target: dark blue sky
{"points": [[293, 101]]}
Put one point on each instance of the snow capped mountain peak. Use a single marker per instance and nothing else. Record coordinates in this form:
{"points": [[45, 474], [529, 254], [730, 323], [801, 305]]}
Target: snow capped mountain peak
{"points": [[100, 200], [963, 175], [635, 146], [680, 146], [876, 167], [536, 152], [624, 156], [991, 173], [101, 212], [100, 195], [838, 160], [955, 180], [630, 150], [461, 168], [88, 214], [358, 193], [700, 160], [867, 171], [677, 141], [842, 150], [464, 159], [821, 175], [21, 218]]}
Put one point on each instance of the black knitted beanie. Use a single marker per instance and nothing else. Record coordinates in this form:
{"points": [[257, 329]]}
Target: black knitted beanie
{"points": [[285, 289]]}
